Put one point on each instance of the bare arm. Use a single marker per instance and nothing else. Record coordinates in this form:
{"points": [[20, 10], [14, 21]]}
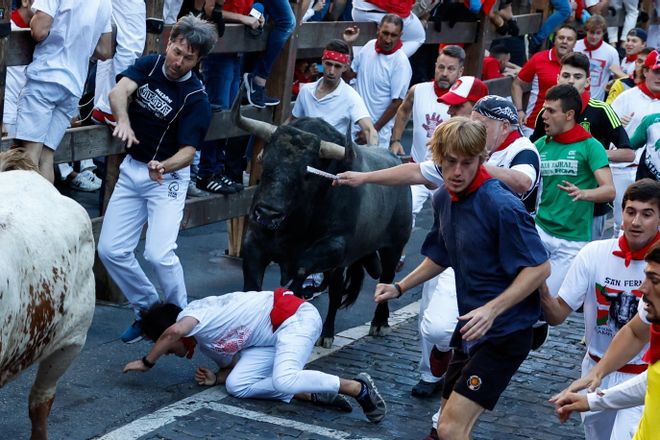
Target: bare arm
{"points": [[402, 118], [618, 72], [180, 159], [604, 193], [518, 87], [119, 103], [555, 309], [388, 114], [105, 47], [404, 174], [40, 25], [426, 270], [480, 320], [367, 127], [519, 182], [621, 155]]}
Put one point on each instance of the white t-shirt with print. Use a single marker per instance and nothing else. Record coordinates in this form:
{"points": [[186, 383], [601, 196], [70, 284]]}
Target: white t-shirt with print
{"points": [[230, 323], [63, 56], [381, 79], [600, 60], [609, 291], [427, 114], [340, 108]]}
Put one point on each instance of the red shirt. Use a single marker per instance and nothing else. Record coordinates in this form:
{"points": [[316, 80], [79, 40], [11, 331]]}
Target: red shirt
{"points": [[242, 7], [545, 67], [490, 69]]}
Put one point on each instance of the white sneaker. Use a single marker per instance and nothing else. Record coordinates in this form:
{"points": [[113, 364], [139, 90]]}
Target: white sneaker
{"points": [[85, 181]]}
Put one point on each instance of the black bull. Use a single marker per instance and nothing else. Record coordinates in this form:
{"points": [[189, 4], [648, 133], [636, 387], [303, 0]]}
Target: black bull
{"points": [[306, 225]]}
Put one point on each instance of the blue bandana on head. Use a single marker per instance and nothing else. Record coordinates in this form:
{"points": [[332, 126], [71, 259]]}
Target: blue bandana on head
{"points": [[498, 108]]}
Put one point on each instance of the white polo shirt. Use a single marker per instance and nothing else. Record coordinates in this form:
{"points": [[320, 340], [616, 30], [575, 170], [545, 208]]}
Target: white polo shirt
{"points": [[339, 108]]}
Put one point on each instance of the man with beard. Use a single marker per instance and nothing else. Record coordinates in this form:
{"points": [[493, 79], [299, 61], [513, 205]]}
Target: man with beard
{"points": [[604, 279]]}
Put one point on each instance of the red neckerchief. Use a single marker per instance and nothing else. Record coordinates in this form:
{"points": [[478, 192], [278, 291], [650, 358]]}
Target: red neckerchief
{"points": [[590, 48], [438, 91], [575, 134], [653, 354], [479, 179], [625, 252], [18, 19], [631, 58], [190, 343], [396, 47], [642, 86], [509, 140], [285, 305], [585, 99]]}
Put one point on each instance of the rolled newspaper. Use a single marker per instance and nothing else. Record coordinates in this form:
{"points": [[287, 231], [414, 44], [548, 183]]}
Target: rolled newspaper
{"points": [[321, 173]]}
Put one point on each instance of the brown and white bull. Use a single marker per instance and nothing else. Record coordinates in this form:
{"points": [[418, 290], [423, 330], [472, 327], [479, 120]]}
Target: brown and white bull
{"points": [[46, 282]]}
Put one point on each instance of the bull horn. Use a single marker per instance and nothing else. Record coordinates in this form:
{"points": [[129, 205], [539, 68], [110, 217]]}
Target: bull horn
{"points": [[330, 150], [262, 129]]}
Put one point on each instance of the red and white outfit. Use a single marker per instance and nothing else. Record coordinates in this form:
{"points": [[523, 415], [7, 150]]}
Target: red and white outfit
{"points": [[628, 64], [601, 58], [413, 35], [642, 102], [605, 277], [381, 78], [541, 71], [273, 334]]}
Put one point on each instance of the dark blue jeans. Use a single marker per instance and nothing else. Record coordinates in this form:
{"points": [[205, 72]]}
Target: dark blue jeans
{"points": [[284, 23]]}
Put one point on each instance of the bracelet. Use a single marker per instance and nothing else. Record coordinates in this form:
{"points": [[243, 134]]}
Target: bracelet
{"points": [[398, 289], [146, 362], [394, 140]]}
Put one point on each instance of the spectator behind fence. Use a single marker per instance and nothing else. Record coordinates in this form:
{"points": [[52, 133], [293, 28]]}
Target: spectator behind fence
{"points": [[540, 72], [630, 21], [162, 126], [413, 34], [284, 23], [562, 10], [383, 74], [67, 33]]}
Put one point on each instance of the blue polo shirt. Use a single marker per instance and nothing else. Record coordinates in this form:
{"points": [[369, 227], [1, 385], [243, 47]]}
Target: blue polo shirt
{"points": [[487, 238], [165, 115]]}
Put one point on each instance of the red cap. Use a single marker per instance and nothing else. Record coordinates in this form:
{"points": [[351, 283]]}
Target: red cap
{"points": [[466, 88], [652, 60]]}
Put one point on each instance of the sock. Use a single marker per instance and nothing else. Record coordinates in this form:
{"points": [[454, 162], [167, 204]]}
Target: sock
{"points": [[364, 391]]}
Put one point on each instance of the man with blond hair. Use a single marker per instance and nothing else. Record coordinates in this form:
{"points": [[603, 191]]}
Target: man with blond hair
{"points": [[496, 287]]}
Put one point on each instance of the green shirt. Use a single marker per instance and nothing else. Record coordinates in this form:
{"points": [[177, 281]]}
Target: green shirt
{"points": [[558, 214]]}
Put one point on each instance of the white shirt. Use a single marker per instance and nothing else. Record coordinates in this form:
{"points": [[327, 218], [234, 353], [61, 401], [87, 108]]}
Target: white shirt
{"points": [[427, 114], [635, 101], [627, 67], [230, 323], [339, 108], [63, 56], [601, 60], [609, 291], [381, 79]]}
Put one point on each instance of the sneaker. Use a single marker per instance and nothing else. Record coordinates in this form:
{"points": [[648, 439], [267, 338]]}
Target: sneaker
{"points": [[100, 117], [257, 94], [217, 184], [332, 400], [433, 435], [132, 334], [540, 332], [85, 181], [372, 404], [427, 389], [194, 191]]}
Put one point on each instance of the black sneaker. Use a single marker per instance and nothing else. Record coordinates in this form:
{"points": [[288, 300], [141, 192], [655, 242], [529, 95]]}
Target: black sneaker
{"points": [[540, 332], [427, 389], [372, 404], [332, 400], [217, 184], [257, 94]]}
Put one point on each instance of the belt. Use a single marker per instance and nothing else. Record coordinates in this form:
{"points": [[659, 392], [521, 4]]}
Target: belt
{"points": [[629, 368]]}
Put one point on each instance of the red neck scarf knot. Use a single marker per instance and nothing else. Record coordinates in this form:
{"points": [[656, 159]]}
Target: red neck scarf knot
{"points": [[18, 19], [631, 58], [628, 255], [438, 91], [575, 134], [642, 86], [381, 51], [481, 177], [515, 134], [653, 354], [591, 48]]}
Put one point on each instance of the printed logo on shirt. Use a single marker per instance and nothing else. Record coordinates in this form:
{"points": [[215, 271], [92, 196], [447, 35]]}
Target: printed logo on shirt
{"points": [[563, 167], [173, 190], [586, 125], [616, 307], [474, 383], [155, 101], [432, 122], [233, 341]]}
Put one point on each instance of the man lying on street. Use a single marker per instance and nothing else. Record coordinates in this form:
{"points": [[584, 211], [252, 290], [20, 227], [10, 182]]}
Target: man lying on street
{"points": [[261, 342]]}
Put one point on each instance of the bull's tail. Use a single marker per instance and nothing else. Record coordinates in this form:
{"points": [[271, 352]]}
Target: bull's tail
{"points": [[352, 283]]}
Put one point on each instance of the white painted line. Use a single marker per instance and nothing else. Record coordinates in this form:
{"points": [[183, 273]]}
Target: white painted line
{"points": [[260, 417], [209, 398]]}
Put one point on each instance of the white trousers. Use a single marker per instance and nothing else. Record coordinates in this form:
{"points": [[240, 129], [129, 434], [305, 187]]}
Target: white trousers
{"points": [[629, 22], [561, 254], [610, 424], [413, 35], [137, 200], [277, 372], [129, 17], [420, 193], [623, 178], [437, 318]]}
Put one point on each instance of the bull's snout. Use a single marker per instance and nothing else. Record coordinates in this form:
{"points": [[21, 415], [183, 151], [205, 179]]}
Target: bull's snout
{"points": [[268, 216]]}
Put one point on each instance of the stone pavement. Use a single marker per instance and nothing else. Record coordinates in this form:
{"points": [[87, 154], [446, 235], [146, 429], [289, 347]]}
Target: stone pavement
{"points": [[522, 412]]}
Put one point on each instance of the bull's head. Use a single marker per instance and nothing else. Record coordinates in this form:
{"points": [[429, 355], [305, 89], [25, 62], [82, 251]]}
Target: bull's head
{"points": [[285, 189]]}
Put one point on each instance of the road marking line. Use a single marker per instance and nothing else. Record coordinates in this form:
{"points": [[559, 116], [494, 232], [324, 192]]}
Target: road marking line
{"points": [[209, 398]]}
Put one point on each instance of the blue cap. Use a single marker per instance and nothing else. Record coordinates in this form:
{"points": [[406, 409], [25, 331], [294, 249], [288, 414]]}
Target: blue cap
{"points": [[638, 32]]}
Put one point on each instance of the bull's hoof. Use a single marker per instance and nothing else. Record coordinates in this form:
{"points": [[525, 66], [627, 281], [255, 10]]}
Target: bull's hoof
{"points": [[379, 330], [325, 342]]}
